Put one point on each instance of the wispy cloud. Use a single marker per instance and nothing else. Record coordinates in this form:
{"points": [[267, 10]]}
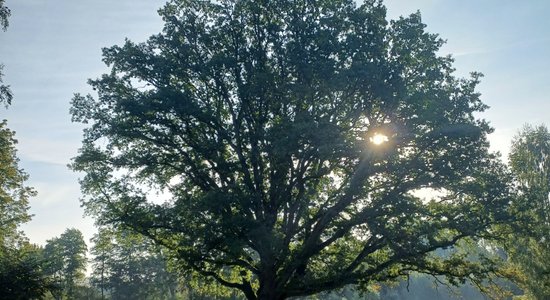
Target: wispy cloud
{"points": [[48, 150]]}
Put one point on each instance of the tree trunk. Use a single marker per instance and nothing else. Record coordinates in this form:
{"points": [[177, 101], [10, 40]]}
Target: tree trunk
{"points": [[268, 288]]}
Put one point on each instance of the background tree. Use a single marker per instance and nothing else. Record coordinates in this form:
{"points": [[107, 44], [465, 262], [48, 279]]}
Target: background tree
{"points": [[128, 266], [14, 195], [305, 145], [21, 274], [101, 251], [530, 245], [4, 15], [65, 258], [5, 92]]}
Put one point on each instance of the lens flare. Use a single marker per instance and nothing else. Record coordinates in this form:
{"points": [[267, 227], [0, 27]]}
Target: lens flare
{"points": [[378, 139]]}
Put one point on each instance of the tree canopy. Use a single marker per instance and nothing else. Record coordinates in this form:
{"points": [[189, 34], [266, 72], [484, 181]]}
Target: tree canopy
{"points": [[5, 13], [20, 272], [530, 246], [14, 195], [5, 92], [302, 146], [65, 262], [128, 266]]}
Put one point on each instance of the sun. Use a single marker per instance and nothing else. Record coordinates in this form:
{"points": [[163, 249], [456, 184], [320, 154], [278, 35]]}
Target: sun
{"points": [[378, 139]]}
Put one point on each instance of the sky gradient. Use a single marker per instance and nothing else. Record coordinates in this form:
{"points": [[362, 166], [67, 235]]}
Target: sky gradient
{"points": [[53, 46]]}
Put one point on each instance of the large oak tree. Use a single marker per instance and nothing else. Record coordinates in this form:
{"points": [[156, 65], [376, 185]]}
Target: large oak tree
{"points": [[302, 146]]}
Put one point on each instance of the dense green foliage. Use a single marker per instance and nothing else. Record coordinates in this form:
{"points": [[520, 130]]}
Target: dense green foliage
{"points": [[14, 195], [65, 262], [21, 274], [529, 247], [257, 120]]}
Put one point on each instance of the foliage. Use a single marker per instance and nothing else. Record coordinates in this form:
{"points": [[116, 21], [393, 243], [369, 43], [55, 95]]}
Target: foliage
{"points": [[529, 159], [127, 266], [529, 246], [4, 15], [21, 273], [5, 92], [65, 262], [14, 195], [256, 119]]}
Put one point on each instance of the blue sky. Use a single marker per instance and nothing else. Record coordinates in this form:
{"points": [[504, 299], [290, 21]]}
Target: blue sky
{"points": [[53, 46]]}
